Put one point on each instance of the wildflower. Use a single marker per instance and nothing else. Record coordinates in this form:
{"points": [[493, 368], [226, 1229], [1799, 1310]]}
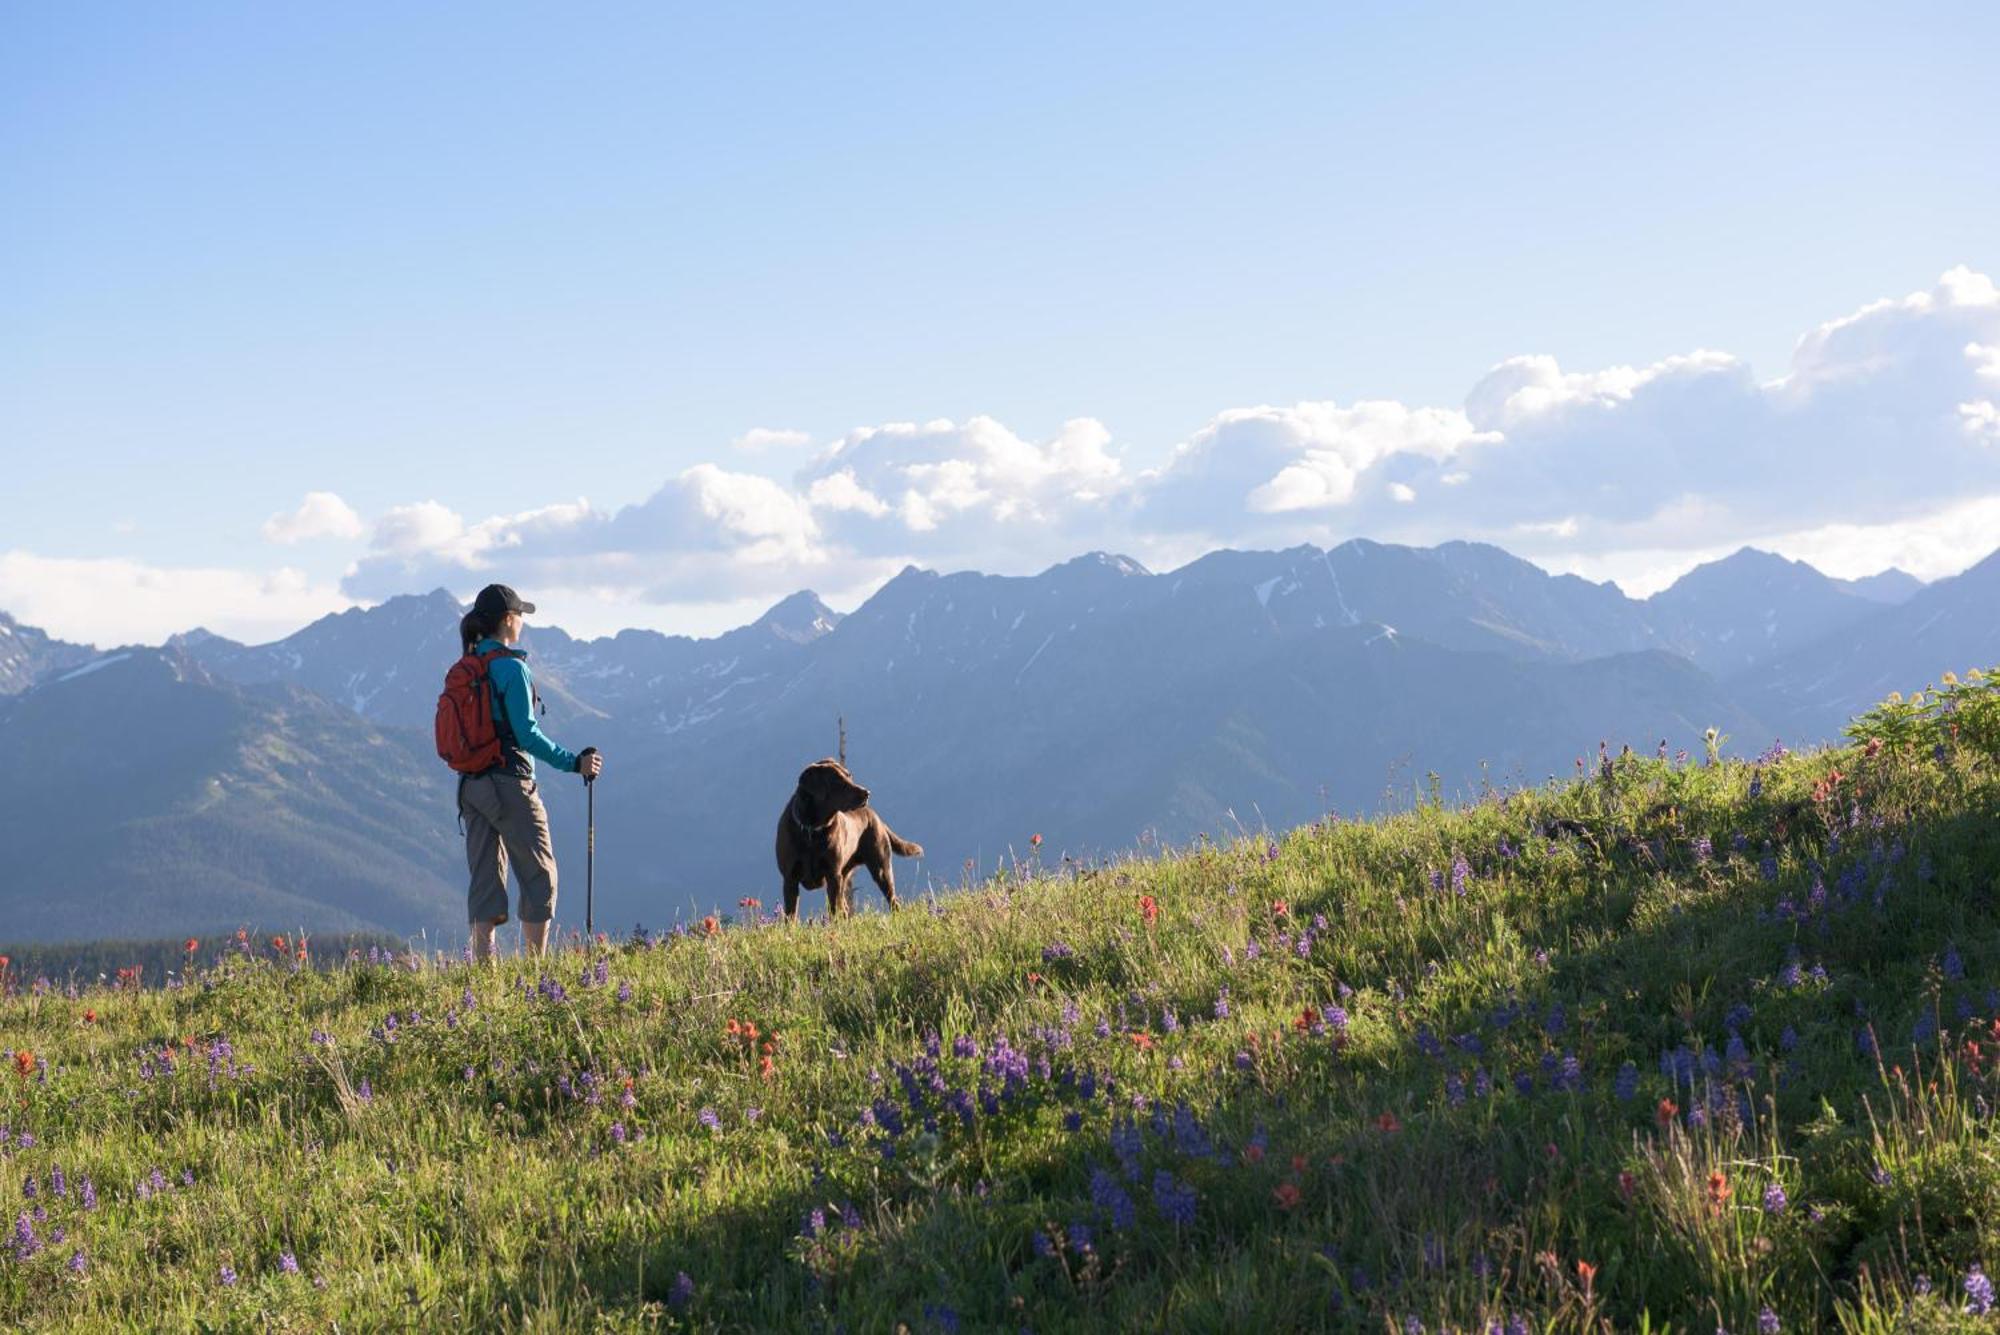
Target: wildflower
{"points": [[227, 1276], [1034, 841], [1221, 1008], [707, 1117], [1286, 1194], [1775, 1200], [1665, 1113], [682, 1293], [1149, 909], [1387, 1124], [1175, 1199], [1626, 1183], [1978, 1292], [1280, 909], [1767, 1322], [710, 926], [1586, 1272], [1718, 1188], [618, 1133], [24, 1063], [78, 1262], [1627, 1083]]}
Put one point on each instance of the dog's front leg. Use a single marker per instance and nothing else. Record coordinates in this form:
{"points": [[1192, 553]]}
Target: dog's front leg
{"points": [[791, 899]]}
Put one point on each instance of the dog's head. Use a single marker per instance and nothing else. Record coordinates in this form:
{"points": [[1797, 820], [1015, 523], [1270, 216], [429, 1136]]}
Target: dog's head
{"points": [[825, 787]]}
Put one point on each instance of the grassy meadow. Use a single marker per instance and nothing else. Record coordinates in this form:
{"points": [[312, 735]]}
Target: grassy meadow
{"points": [[1681, 1043]]}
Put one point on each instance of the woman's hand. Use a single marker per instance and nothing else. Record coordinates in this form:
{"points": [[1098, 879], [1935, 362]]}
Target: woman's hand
{"points": [[589, 764]]}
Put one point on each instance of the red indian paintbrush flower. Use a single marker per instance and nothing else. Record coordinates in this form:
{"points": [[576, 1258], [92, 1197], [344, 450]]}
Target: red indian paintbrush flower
{"points": [[1149, 909]]}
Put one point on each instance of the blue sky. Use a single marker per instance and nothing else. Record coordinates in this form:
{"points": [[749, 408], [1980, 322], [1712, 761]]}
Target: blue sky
{"points": [[477, 261]]}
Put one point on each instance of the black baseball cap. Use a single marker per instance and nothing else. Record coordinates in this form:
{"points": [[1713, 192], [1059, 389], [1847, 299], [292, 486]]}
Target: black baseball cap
{"points": [[495, 599]]}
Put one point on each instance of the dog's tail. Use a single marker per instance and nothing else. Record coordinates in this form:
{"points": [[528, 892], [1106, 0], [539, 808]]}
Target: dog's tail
{"points": [[902, 847]]}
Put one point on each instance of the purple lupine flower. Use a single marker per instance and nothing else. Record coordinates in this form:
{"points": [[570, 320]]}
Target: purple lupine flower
{"points": [[682, 1293], [26, 1244], [1335, 1018], [618, 1133], [288, 1263], [1627, 1083], [1176, 1200], [1461, 872], [365, 1091], [1775, 1200], [708, 1119], [1222, 1004], [87, 1194], [624, 989], [1978, 1292], [58, 1184], [1953, 966], [1881, 1176], [1108, 1195], [1767, 1323], [30, 1186], [78, 1262], [227, 1275]]}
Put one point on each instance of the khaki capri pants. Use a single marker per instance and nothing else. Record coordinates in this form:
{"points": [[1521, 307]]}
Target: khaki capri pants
{"points": [[506, 825]]}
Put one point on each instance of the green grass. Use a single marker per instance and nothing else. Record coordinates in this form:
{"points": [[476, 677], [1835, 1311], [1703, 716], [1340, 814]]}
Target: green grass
{"points": [[458, 1169]]}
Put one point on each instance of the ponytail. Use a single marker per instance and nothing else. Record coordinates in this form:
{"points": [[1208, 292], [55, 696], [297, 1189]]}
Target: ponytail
{"points": [[472, 628]]}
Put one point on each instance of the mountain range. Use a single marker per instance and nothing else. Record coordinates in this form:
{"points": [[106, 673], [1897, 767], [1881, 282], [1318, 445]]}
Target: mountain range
{"points": [[206, 783]]}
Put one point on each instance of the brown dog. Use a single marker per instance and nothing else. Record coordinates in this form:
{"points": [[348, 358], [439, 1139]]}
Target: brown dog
{"points": [[827, 830]]}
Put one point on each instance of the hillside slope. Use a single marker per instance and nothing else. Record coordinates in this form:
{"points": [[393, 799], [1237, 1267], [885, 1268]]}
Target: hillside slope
{"points": [[156, 800], [1711, 1046]]}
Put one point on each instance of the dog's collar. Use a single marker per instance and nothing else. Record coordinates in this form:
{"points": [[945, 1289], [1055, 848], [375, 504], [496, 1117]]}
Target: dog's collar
{"points": [[792, 810]]}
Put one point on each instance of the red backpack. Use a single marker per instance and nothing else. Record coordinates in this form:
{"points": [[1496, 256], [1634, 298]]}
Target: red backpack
{"points": [[467, 738]]}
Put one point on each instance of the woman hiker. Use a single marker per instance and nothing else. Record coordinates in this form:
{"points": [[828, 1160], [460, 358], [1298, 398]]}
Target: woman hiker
{"points": [[505, 822]]}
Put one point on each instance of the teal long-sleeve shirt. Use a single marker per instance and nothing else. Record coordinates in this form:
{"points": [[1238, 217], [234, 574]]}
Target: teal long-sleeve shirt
{"points": [[514, 694]]}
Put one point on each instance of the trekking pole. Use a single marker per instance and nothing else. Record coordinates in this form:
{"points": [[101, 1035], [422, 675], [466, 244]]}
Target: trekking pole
{"points": [[589, 860]]}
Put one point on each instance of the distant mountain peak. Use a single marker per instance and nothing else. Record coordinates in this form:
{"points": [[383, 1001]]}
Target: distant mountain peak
{"points": [[801, 618], [1890, 586], [1093, 564]]}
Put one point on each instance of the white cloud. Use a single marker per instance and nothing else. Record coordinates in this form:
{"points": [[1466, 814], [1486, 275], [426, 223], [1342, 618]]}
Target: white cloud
{"points": [[110, 601], [1884, 417], [322, 514], [409, 530], [761, 438]]}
